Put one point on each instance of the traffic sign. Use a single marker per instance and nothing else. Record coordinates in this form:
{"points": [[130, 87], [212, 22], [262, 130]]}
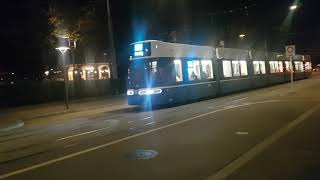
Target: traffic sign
{"points": [[290, 51]]}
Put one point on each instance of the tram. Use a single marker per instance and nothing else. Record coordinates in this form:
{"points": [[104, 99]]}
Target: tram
{"points": [[162, 73]]}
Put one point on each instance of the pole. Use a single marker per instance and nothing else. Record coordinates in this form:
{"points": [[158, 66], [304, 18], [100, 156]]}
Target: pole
{"points": [[65, 74], [111, 41], [291, 84]]}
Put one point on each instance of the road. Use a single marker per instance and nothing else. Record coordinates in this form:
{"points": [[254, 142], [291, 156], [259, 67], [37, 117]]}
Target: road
{"points": [[267, 133]]}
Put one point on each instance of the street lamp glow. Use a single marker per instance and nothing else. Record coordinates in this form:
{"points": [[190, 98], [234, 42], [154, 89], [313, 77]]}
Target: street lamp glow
{"points": [[63, 50], [241, 36], [293, 7]]}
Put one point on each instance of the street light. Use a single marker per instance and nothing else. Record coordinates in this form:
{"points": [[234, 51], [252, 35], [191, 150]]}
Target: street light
{"points": [[293, 7], [291, 49], [63, 48], [241, 36]]}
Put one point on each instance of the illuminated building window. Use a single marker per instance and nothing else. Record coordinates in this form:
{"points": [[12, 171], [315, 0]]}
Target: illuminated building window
{"points": [[90, 71], [70, 73]]}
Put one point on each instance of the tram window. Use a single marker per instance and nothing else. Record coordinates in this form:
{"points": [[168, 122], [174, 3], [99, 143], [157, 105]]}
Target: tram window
{"points": [[227, 72], [262, 67], [206, 66], [178, 70], [244, 68], [256, 68], [194, 70], [274, 66], [308, 66], [236, 68], [259, 67], [280, 66], [288, 65], [298, 66], [164, 73], [153, 66]]}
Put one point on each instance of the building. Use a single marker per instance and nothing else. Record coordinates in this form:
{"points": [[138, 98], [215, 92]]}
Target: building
{"points": [[89, 71]]}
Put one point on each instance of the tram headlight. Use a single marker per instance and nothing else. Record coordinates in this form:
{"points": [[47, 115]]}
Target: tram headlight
{"points": [[130, 92], [149, 91]]}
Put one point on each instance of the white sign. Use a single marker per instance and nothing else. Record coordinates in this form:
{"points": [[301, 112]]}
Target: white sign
{"points": [[290, 51]]}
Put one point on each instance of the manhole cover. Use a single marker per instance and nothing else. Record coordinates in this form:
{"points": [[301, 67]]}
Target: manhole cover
{"points": [[142, 154]]}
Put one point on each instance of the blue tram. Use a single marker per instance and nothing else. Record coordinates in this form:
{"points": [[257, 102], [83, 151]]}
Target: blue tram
{"points": [[162, 73]]}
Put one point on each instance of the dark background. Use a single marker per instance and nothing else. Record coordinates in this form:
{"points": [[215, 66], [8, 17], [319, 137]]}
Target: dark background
{"points": [[24, 25]]}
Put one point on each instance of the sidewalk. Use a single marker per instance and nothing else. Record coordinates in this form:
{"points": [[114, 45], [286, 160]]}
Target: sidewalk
{"points": [[16, 117]]}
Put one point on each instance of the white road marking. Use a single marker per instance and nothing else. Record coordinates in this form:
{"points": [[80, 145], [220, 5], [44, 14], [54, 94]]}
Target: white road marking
{"points": [[81, 134], [252, 153], [111, 120], [70, 145], [239, 99], [132, 128], [129, 122], [149, 117], [15, 126], [30, 168], [230, 107], [242, 133], [150, 123]]}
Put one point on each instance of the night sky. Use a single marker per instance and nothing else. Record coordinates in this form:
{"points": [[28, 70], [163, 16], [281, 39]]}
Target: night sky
{"points": [[24, 25]]}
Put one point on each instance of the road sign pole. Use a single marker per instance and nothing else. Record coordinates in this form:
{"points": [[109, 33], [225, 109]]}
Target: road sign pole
{"points": [[291, 84], [290, 53]]}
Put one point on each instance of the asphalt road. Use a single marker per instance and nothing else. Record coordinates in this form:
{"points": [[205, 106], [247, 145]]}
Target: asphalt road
{"points": [[267, 133]]}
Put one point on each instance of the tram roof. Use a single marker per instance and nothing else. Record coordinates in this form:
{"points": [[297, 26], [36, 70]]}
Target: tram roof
{"points": [[177, 50], [230, 53], [282, 57]]}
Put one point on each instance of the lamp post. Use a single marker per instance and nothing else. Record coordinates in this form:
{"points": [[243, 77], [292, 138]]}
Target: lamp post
{"points": [[63, 48], [291, 50]]}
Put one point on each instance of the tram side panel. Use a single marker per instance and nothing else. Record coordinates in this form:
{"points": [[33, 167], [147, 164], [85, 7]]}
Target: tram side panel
{"points": [[308, 68], [201, 88], [298, 75], [260, 80], [287, 76], [277, 78], [233, 84], [170, 94]]}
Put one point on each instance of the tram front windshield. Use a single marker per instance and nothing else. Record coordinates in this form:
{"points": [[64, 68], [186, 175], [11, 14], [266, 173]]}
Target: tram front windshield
{"points": [[147, 73]]}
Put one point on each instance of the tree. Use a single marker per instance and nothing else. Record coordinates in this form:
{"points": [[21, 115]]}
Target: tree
{"points": [[58, 28]]}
